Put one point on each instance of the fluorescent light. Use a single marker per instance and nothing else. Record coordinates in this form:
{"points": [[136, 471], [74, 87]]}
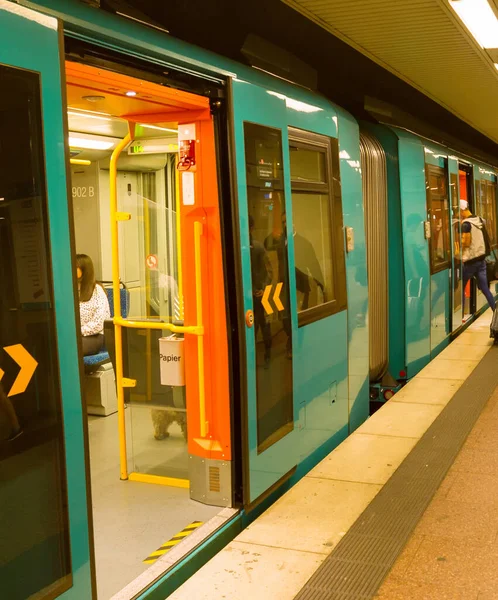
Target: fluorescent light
{"points": [[89, 143], [89, 112], [88, 116], [480, 20], [159, 128], [131, 93]]}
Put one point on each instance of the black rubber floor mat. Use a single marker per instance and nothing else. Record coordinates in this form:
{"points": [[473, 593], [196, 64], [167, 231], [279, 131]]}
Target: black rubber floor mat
{"points": [[363, 558]]}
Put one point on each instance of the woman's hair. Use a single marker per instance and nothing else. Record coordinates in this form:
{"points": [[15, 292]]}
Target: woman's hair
{"points": [[87, 282]]}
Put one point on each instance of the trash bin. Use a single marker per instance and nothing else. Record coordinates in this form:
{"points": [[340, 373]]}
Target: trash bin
{"points": [[172, 361]]}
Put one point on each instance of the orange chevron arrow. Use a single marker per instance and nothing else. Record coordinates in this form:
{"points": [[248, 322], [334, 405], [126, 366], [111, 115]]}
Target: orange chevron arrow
{"points": [[276, 297], [28, 366], [2, 373], [264, 300]]}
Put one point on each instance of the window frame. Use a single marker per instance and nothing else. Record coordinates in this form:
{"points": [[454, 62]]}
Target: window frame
{"points": [[331, 188], [446, 264]]}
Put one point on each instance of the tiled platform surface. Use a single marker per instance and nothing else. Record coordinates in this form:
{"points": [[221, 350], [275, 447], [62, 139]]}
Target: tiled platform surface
{"points": [[275, 556], [453, 553]]}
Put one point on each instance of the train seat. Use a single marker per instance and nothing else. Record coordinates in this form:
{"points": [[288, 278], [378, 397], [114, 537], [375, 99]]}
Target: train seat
{"points": [[94, 361], [100, 389]]}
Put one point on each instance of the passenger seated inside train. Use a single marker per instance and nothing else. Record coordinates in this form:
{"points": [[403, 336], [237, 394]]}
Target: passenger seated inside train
{"points": [[94, 306]]}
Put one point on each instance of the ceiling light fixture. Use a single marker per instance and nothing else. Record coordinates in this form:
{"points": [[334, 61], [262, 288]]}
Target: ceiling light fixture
{"points": [[131, 93], [89, 143], [480, 19], [93, 98]]}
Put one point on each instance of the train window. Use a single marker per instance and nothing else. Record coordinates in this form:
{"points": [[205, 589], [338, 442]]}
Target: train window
{"points": [[486, 207], [34, 544], [317, 222], [270, 283], [438, 214], [481, 207]]}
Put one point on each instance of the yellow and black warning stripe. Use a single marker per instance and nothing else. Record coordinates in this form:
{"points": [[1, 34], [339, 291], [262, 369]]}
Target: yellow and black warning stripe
{"points": [[166, 547]]}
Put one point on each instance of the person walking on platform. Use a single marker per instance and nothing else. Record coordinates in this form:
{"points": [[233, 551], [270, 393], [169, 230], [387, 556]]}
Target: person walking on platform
{"points": [[475, 248]]}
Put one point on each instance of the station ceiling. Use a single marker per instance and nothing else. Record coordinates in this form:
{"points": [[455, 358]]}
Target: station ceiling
{"points": [[422, 42]]}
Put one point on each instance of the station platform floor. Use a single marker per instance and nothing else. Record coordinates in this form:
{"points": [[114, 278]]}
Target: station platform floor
{"points": [[405, 508]]}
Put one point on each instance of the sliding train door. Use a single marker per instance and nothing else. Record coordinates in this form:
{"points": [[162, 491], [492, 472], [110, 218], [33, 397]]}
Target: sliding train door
{"points": [[44, 544], [294, 281], [438, 216], [260, 136]]}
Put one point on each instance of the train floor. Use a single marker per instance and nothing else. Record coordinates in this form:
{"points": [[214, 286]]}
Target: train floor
{"points": [[405, 508], [132, 520]]}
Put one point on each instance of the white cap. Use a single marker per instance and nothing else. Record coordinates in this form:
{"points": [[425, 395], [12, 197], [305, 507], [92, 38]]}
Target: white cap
{"points": [[464, 205]]}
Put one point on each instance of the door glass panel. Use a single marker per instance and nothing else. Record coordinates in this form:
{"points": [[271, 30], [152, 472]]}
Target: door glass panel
{"points": [[34, 541], [270, 283], [150, 270]]}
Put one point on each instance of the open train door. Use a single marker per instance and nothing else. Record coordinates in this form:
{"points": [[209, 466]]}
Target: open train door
{"points": [[456, 245], [43, 491]]}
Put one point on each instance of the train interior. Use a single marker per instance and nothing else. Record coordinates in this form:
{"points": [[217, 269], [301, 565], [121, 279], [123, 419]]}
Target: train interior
{"points": [[133, 519]]}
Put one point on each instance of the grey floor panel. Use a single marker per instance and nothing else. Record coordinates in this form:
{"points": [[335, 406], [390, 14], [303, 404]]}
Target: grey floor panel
{"points": [[133, 519], [363, 558]]}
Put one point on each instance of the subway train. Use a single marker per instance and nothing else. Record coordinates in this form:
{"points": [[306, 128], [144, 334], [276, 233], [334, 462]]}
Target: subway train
{"points": [[275, 270]]}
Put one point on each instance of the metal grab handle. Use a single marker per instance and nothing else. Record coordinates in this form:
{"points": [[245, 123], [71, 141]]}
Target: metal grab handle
{"points": [[192, 329]]}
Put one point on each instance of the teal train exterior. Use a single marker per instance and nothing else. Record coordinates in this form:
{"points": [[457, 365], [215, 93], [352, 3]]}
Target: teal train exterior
{"points": [[427, 305], [327, 359]]}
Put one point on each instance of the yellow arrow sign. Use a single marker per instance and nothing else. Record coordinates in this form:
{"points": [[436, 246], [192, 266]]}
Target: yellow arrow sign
{"points": [[276, 297], [28, 366], [265, 300]]}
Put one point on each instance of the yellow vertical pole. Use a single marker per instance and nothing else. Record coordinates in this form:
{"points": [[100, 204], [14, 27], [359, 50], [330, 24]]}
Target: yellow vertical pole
{"points": [[118, 338], [179, 238], [200, 339], [148, 302]]}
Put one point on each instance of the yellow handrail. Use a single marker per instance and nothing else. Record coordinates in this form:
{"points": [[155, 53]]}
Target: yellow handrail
{"points": [[192, 329], [200, 340], [118, 339]]}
